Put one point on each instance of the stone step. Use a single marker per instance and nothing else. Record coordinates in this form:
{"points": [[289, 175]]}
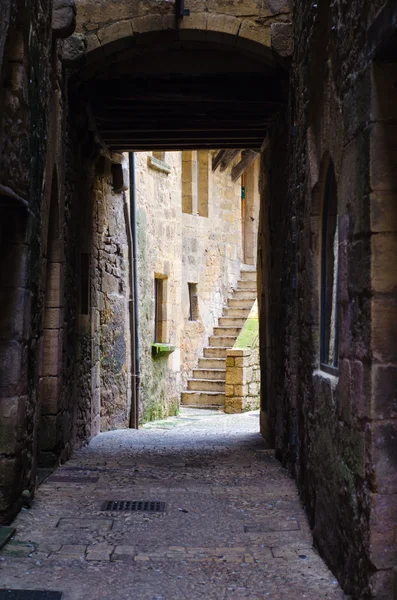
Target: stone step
{"points": [[215, 352], [218, 374], [245, 295], [241, 313], [226, 341], [232, 322], [206, 385], [203, 399], [248, 275], [218, 407], [246, 285], [227, 330], [240, 303], [212, 363]]}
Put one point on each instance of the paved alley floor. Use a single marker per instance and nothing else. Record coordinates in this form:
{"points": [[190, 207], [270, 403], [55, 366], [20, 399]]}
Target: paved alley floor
{"points": [[232, 525]]}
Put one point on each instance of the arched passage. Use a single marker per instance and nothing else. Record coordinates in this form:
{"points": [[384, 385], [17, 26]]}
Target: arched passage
{"points": [[208, 80], [149, 83]]}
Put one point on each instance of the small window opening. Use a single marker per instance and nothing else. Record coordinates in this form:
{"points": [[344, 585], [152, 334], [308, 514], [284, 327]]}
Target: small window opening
{"points": [[329, 349], [159, 310], [85, 284], [195, 182], [193, 302]]}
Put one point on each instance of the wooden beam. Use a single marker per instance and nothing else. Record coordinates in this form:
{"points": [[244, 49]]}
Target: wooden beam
{"points": [[130, 146], [217, 160], [247, 158], [228, 157]]}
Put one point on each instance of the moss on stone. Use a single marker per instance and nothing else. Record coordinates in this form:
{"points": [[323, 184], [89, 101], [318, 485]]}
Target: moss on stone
{"points": [[250, 331]]}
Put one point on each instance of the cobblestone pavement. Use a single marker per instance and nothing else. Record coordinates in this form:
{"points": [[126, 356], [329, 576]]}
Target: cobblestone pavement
{"points": [[232, 528]]}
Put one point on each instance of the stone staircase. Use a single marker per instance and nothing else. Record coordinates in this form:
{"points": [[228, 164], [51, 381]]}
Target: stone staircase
{"points": [[206, 389]]}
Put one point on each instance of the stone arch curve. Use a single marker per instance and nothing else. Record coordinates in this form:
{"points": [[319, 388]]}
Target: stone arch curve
{"points": [[259, 28]]}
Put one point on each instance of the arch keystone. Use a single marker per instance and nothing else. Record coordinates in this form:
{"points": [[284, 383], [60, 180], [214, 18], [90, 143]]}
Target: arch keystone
{"points": [[223, 24]]}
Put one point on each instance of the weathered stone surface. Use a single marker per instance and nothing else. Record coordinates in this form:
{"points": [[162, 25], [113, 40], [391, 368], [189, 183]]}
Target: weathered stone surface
{"points": [[74, 50], [282, 39], [63, 18]]}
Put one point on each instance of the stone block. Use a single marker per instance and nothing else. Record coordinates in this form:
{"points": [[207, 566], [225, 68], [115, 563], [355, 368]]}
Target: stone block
{"points": [[53, 318], [384, 94], [240, 391], [384, 457], [49, 394], [381, 585], [147, 24], [115, 37], [10, 363], [54, 289], [8, 467], [383, 206], [383, 164], [384, 329], [13, 266], [235, 376], [110, 284], [52, 352], [253, 389], [48, 433], [92, 43], [230, 361], [383, 265], [10, 420], [254, 32], [229, 390], [194, 27], [63, 18], [15, 313], [384, 390], [282, 39], [383, 522], [74, 49], [222, 24]]}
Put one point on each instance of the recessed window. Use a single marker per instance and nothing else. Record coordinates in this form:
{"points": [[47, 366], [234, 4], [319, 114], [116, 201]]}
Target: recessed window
{"points": [[193, 302], [329, 349], [160, 308], [195, 182]]}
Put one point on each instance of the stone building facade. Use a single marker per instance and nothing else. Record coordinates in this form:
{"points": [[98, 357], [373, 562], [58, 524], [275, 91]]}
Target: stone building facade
{"points": [[332, 418], [195, 259], [326, 243]]}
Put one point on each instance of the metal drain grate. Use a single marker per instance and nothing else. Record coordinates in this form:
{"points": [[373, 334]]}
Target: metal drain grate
{"points": [[134, 505], [29, 595]]}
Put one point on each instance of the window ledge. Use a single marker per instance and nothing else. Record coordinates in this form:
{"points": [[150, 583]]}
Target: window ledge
{"points": [[158, 165], [162, 350], [332, 378]]}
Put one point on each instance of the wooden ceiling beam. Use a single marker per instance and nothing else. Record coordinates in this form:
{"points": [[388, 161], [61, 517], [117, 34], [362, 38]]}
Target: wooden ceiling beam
{"points": [[247, 158]]}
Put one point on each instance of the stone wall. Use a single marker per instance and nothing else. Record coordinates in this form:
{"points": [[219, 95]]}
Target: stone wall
{"points": [[335, 431], [159, 222], [182, 249], [211, 258], [111, 287], [243, 376], [35, 419]]}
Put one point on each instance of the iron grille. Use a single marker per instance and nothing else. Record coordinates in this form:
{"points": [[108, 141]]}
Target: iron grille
{"points": [[134, 505]]}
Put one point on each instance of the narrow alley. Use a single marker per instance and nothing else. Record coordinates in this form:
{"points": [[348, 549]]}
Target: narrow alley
{"points": [[232, 525]]}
